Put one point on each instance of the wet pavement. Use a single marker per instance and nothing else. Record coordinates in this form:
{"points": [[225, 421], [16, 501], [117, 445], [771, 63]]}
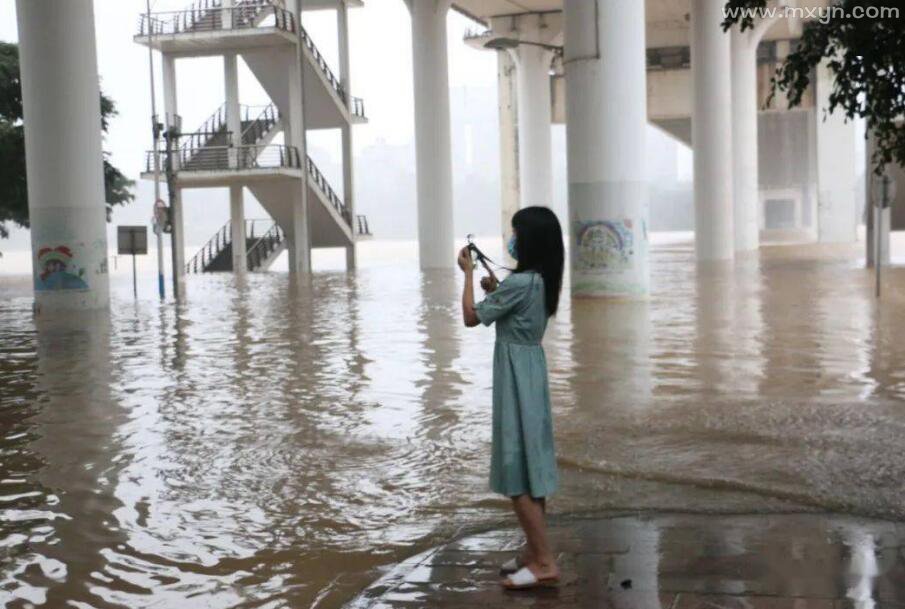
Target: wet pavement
{"points": [[668, 561]]}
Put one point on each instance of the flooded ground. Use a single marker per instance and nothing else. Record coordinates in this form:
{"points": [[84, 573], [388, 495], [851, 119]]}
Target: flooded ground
{"points": [[271, 445]]}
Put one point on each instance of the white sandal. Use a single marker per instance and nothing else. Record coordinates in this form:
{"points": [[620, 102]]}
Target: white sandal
{"points": [[524, 579]]}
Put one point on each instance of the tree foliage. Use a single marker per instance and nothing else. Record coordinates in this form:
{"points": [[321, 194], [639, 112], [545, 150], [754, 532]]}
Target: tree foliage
{"points": [[863, 42], [13, 180]]}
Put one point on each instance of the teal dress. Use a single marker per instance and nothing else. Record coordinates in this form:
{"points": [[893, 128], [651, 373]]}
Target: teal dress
{"points": [[523, 459]]}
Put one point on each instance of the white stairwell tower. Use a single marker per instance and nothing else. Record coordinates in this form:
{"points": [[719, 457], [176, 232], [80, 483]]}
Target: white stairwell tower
{"points": [[235, 147]]}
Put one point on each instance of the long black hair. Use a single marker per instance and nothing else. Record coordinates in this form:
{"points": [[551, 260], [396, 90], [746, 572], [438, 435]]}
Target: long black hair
{"points": [[539, 246]]}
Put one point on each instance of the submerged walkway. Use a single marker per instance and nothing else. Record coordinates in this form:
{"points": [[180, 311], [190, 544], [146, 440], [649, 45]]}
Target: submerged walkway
{"points": [[801, 561]]}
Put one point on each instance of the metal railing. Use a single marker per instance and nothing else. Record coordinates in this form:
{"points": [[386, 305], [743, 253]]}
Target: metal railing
{"points": [[362, 224], [268, 242], [210, 250], [256, 129], [357, 107], [332, 198], [245, 14], [227, 158], [264, 247], [322, 64]]}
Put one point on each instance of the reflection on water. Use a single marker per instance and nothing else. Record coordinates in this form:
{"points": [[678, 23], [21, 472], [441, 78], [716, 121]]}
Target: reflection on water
{"points": [[267, 444]]}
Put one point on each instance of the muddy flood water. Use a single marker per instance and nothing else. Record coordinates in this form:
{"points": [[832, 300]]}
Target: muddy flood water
{"points": [[270, 445]]}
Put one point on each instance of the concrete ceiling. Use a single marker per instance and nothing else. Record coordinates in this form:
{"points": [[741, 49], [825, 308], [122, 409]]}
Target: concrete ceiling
{"points": [[667, 20]]}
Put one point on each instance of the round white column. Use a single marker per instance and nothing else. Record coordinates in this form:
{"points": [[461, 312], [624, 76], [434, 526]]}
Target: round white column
{"points": [[433, 151], [745, 190], [64, 161], [711, 132], [606, 93], [535, 145]]}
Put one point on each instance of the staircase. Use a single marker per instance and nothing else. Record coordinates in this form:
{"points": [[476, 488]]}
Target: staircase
{"points": [[260, 251]]}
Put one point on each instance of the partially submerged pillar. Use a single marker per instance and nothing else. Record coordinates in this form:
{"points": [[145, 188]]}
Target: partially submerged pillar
{"points": [[606, 96], [745, 186], [64, 159], [171, 113], [433, 152], [345, 79], [837, 161], [236, 192], [711, 126]]}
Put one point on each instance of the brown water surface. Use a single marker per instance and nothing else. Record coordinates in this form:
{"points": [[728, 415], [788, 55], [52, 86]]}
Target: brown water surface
{"points": [[271, 445]]}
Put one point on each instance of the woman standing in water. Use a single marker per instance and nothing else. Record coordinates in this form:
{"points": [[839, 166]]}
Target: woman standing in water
{"points": [[523, 462]]}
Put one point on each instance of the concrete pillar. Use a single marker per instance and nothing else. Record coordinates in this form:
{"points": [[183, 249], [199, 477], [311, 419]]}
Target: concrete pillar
{"points": [[606, 93], [509, 144], [711, 131], [233, 109], [535, 144], [837, 178], [171, 110], [433, 151], [299, 245], [237, 228], [64, 161], [345, 78], [746, 195], [236, 192]]}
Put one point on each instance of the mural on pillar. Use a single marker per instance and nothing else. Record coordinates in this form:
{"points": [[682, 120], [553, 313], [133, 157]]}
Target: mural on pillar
{"points": [[59, 269], [604, 246]]}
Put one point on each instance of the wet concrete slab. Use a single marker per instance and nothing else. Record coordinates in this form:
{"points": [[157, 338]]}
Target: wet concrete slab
{"points": [[668, 561]]}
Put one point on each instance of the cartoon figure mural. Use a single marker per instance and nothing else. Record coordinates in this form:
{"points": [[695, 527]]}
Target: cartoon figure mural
{"points": [[58, 270], [604, 246]]}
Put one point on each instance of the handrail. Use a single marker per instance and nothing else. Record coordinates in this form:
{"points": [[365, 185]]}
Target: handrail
{"points": [[322, 64], [264, 247], [207, 252], [363, 228], [230, 158], [338, 204], [246, 14], [261, 125]]}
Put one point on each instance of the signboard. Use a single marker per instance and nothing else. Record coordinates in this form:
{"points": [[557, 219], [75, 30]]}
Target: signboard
{"points": [[132, 240]]}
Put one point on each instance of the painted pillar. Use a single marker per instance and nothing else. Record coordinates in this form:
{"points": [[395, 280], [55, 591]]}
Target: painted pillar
{"points": [[433, 149], [711, 132], [535, 140], [299, 242], [606, 96], [171, 109], [509, 144], [345, 78], [236, 192], [837, 178], [64, 160], [746, 194]]}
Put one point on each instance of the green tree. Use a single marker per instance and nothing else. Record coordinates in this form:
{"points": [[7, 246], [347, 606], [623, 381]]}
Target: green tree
{"points": [[13, 181], [863, 42]]}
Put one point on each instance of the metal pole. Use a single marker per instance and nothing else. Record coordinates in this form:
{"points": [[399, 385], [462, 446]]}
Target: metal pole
{"points": [[134, 279], [161, 289], [878, 228]]}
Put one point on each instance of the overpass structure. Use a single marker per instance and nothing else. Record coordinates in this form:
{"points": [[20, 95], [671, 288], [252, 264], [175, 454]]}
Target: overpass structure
{"points": [[606, 68]]}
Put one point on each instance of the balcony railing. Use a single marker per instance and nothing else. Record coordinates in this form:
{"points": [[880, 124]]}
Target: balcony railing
{"points": [[247, 14], [227, 158], [328, 192]]}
